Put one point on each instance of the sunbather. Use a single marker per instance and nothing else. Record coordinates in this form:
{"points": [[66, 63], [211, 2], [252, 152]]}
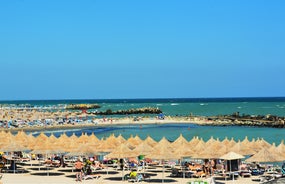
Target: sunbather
{"points": [[78, 168]]}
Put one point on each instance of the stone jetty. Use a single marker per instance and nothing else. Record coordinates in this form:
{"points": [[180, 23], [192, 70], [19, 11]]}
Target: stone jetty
{"points": [[247, 120]]}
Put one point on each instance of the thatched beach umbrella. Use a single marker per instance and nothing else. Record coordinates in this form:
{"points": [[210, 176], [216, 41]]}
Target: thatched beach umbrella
{"points": [[163, 143], [262, 143], [281, 149], [21, 138], [265, 155], [150, 141], [134, 141], [93, 138], [194, 141], [83, 149], [142, 149], [231, 156], [121, 152], [121, 139], [162, 152], [199, 147], [180, 141], [242, 149], [14, 147]]}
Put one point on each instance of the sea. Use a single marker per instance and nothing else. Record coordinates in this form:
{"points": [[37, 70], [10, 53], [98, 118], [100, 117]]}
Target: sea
{"points": [[175, 107]]}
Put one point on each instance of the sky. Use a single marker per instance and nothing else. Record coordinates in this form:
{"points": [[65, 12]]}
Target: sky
{"points": [[56, 49]]}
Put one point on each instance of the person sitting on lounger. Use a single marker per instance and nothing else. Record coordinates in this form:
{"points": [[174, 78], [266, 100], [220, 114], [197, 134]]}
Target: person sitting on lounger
{"points": [[133, 174]]}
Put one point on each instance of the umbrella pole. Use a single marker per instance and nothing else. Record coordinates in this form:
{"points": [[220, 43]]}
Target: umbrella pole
{"points": [[123, 170], [31, 160], [123, 173], [14, 166], [162, 171], [183, 169]]}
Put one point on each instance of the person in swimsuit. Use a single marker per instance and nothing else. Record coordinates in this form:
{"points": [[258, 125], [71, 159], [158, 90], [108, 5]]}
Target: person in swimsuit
{"points": [[78, 169]]}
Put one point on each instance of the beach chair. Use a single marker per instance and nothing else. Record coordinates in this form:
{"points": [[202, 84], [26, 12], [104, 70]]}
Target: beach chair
{"points": [[175, 173], [283, 171], [137, 178], [200, 174], [91, 176]]}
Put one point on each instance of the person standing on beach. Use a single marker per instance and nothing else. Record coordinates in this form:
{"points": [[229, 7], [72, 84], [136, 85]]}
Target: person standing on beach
{"points": [[78, 168]]}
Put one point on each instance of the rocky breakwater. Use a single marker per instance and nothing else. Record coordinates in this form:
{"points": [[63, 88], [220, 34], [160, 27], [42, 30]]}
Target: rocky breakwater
{"points": [[82, 106], [247, 120], [145, 110]]}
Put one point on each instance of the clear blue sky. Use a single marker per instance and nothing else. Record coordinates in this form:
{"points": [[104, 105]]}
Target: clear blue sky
{"points": [[57, 49]]}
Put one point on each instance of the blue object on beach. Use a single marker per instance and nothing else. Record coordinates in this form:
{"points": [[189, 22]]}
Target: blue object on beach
{"points": [[161, 116]]}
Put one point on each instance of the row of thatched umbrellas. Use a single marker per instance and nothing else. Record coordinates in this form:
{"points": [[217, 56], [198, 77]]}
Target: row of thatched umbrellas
{"points": [[119, 147]]}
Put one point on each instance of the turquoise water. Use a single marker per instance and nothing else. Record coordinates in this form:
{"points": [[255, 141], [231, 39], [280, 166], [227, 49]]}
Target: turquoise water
{"points": [[179, 107], [172, 131], [196, 106]]}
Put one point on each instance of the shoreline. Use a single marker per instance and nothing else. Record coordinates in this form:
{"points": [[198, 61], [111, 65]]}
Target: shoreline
{"points": [[201, 121], [101, 123]]}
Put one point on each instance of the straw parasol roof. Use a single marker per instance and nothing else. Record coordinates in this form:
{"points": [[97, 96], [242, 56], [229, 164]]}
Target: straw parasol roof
{"points": [[231, 156], [93, 138], [84, 149], [46, 148], [143, 149], [162, 152], [199, 147], [262, 143], [180, 140], [265, 155], [150, 141], [84, 138], [134, 140], [121, 139], [226, 141], [184, 150], [14, 147], [122, 151], [163, 142], [207, 154], [281, 148], [194, 141], [242, 149]]}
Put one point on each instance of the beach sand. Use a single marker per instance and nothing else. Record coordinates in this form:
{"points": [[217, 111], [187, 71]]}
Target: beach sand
{"points": [[114, 122], [66, 176], [34, 176]]}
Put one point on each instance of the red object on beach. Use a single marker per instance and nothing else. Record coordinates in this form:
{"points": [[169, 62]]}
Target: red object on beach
{"points": [[84, 110]]}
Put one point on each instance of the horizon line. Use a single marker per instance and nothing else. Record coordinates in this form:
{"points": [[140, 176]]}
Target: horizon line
{"points": [[152, 98]]}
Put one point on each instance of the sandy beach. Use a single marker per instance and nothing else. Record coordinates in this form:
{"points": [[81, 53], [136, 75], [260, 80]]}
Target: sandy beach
{"points": [[60, 175], [114, 122], [66, 176]]}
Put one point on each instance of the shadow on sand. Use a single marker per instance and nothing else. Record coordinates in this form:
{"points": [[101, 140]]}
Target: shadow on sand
{"points": [[47, 174]]}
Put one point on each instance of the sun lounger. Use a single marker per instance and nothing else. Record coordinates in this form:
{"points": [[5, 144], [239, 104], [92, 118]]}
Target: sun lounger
{"points": [[245, 173], [283, 171], [175, 173], [200, 174], [91, 176]]}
